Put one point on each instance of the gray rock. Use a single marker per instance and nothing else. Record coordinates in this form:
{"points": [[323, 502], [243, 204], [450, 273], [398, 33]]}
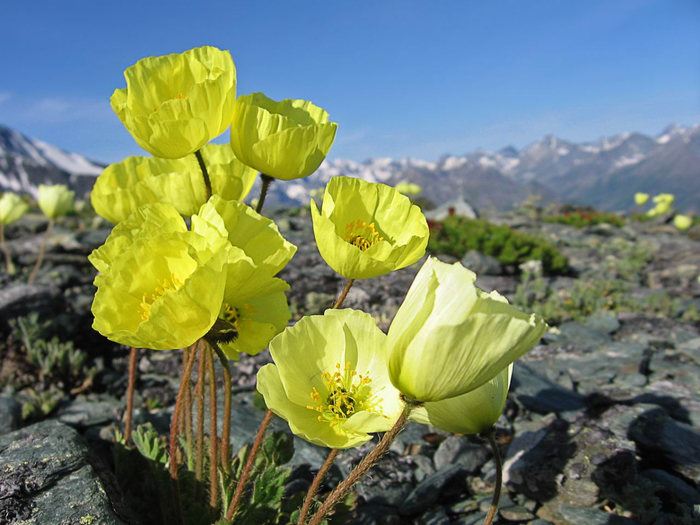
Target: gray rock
{"points": [[21, 299], [516, 513], [587, 516], [433, 517], [476, 518], [583, 336], [603, 321], [675, 488], [388, 482], [538, 394], [427, 491], [10, 414], [45, 478], [658, 434], [482, 264], [376, 515], [457, 450], [81, 413]]}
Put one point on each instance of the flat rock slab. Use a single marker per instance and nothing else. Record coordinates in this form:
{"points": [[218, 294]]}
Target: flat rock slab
{"points": [[45, 478]]}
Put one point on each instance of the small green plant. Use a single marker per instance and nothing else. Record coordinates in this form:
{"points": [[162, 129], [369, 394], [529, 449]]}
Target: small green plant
{"points": [[586, 217], [458, 235], [39, 405], [57, 361]]}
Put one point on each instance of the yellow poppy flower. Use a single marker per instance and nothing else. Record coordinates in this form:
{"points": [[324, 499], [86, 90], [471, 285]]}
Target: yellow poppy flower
{"points": [[366, 230], [330, 381], [682, 222], [55, 201], [12, 207], [137, 181], [473, 413], [664, 202], [641, 198], [449, 338], [285, 140], [174, 104], [161, 286], [254, 300], [408, 188]]}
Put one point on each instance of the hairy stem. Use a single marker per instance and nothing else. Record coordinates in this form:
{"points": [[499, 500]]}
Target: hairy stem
{"points": [[42, 251], [248, 465], [341, 298], [199, 394], [213, 456], [173, 436], [205, 173], [316, 484], [130, 395], [226, 430], [6, 250], [491, 436], [342, 490], [266, 181], [187, 410]]}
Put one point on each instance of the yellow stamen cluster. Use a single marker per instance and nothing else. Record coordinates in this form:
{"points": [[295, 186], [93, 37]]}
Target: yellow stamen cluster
{"points": [[363, 235], [239, 316], [347, 394], [149, 298]]}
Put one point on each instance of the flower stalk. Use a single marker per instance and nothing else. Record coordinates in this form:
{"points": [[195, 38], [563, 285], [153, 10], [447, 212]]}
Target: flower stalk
{"points": [[249, 465], [6, 251], [213, 440], [130, 395], [266, 181], [205, 173], [341, 298], [342, 490], [42, 251], [493, 509], [226, 429], [316, 484]]}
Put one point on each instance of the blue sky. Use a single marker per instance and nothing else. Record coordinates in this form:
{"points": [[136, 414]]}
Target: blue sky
{"points": [[402, 78]]}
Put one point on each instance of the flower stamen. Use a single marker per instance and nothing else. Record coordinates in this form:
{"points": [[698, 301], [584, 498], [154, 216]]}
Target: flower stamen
{"points": [[348, 393], [148, 299], [363, 235]]}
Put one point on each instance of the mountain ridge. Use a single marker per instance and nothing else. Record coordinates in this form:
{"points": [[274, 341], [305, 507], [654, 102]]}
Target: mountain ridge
{"points": [[604, 173]]}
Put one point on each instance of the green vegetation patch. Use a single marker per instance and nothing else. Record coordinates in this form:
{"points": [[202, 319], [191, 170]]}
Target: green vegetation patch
{"points": [[458, 235], [583, 218]]}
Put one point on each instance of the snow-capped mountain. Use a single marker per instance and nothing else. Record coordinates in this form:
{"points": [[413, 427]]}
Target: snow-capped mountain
{"points": [[603, 173], [25, 163]]}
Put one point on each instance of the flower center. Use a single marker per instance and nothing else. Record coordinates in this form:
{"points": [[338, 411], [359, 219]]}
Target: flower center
{"points": [[239, 316], [363, 235], [348, 393], [149, 298]]}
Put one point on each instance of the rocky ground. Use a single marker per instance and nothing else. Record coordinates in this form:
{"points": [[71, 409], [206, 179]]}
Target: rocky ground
{"points": [[602, 425]]}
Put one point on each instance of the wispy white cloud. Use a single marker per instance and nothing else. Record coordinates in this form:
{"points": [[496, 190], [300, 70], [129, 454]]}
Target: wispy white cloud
{"points": [[52, 110], [5, 96]]}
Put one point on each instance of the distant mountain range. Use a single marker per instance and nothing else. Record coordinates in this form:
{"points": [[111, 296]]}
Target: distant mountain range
{"points": [[604, 174]]}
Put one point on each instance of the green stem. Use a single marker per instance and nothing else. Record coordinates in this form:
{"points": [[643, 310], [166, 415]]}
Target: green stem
{"points": [[226, 430], [342, 490], [205, 173], [42, 251], [316, 484], [266, 181], [491, 436], [341, 298], [248, 465], [6, 250]]}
